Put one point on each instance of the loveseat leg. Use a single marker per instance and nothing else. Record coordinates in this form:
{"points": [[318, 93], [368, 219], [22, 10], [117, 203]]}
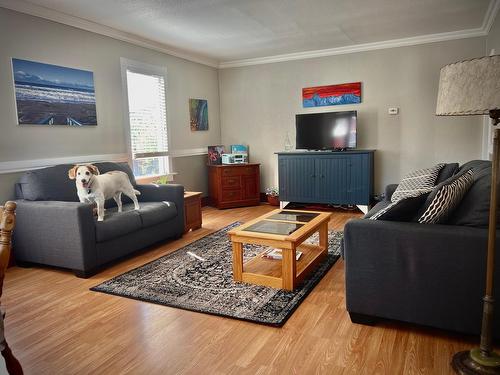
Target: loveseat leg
{"points": [[84, 274], [363, 319], [22, 264]]}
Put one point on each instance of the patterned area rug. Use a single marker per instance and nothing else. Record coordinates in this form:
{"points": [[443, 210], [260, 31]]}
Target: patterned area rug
{"points": [[207, 286]]}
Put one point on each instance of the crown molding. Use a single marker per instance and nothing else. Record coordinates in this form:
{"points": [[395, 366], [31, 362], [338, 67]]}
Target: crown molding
{"points": [[403, 42], [490, 15], [488, 20], [81, 23]]}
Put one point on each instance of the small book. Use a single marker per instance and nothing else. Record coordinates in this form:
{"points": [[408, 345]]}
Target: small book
{"points": [[239, 149], [277, 254]]}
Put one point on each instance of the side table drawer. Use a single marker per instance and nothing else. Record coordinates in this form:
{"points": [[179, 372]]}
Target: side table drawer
{"points": [[230, 195], [231, 182]]}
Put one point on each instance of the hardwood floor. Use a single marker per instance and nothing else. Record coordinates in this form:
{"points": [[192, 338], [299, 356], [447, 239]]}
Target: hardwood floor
{"points": [[55, 325]]}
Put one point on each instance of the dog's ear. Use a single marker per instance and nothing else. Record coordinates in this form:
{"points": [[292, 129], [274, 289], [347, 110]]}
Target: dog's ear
{"points": [[72, 172], [93, 169]]}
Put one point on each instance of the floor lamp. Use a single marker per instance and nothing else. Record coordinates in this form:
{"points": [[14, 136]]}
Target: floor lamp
{"points": [[472, 87]]}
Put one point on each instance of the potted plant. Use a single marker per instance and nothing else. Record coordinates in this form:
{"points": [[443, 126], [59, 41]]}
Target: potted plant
{"points": [[273, 197]]}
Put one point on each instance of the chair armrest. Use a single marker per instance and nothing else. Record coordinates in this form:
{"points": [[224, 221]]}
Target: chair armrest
{"points": [[389, 190], [171, 193], [56, 233]]}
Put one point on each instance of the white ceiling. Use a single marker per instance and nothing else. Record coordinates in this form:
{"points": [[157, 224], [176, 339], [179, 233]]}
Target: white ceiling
{"points": [[225, 30]]}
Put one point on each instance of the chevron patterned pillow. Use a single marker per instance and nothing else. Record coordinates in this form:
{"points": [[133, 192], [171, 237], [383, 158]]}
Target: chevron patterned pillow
{"points": [[417, 183], [445, 198]]}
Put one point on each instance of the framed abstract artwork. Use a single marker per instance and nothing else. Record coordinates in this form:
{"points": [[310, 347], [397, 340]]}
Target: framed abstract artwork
{"points": [[198, 114], [53, 95], [215, 154], [345, 93]]}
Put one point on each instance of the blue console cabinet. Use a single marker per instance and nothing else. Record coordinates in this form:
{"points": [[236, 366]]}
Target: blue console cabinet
{"points": [[344, 177]]}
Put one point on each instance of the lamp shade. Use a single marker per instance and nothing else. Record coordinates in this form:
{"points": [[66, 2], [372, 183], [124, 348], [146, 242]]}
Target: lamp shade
{"points": [[469, 87]]}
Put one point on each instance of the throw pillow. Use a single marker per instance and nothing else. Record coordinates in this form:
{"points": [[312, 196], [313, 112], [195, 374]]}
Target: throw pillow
{"points": [[445, 198], [402, 210], [417, 183]]}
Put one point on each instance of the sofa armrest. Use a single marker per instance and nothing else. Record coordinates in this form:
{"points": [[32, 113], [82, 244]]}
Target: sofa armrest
{"points": [[171, 193], [55, 232], [423, 273], [389, 190]]}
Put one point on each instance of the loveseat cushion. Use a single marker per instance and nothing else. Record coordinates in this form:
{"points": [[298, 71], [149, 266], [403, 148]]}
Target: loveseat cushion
{"points": [[118, 224], [475, 206], [47, 184], [445, 197], [53, 184], [448, 170], [153, 213]]}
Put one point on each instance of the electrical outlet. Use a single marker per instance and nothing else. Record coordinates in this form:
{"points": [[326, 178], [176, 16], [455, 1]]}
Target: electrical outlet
{"points": [[393, 111]]}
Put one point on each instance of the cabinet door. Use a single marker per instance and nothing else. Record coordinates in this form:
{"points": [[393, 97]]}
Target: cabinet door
{"points": [[333, 179], [297, 179], [250, 187], [359, 179]]}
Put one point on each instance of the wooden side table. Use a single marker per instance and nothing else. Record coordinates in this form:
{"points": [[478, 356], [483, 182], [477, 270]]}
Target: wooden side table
{"points": [[192, 210]]}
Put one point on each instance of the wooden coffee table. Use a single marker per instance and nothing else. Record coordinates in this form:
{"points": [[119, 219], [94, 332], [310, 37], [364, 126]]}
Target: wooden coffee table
{"points": [[286, 230]]}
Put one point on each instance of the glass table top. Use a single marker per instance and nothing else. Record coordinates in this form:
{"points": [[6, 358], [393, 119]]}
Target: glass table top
{"points": [[303, 217], [273, 227]]}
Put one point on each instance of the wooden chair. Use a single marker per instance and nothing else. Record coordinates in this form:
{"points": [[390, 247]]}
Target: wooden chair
{"points": [[7, 222]]}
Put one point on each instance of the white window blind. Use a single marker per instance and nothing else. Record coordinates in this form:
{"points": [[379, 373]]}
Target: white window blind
{"points": [[148, 123]]}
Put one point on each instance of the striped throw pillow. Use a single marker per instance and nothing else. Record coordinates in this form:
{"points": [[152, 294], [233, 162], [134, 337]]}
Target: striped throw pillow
{"points": [[445, 198], [417, 183]]}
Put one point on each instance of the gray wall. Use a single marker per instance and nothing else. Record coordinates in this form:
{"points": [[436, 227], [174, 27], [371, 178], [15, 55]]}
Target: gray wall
{"points": [[259, 103], [493, 39], [32, 38]]}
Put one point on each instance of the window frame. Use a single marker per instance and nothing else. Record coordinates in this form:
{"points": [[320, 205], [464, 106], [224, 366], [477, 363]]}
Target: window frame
{"points": [[147, 69]]}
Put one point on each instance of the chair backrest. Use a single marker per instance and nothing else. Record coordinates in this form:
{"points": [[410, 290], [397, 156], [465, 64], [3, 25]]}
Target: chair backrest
{"points": [[7, 223]]}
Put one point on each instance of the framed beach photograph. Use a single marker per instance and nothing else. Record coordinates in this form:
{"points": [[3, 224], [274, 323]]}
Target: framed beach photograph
{"points": [[53, 95]]}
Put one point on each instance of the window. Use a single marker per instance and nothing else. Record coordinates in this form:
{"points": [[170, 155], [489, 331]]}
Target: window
{"points": [[147, 115]]}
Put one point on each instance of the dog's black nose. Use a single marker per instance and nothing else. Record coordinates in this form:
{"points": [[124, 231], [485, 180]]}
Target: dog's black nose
{"points": [[84, 180]]}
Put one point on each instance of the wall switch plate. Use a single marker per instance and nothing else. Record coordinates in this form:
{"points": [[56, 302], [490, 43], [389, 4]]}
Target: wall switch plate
{"points": [[393, 111]]}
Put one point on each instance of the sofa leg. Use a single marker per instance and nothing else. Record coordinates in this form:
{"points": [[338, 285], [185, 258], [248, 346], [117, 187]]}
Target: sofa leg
{"points": [[84, 274], [363, 319]]}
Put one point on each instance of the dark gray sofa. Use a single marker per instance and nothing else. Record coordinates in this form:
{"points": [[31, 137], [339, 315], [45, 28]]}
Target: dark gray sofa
{"points": [[54, 228], [428, 274]]}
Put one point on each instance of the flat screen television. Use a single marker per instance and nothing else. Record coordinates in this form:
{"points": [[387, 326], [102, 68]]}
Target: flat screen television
{"points": [[326, 131]]}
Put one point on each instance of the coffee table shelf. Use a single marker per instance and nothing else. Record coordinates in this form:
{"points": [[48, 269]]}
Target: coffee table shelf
{"points": [[311, 255], [288, 272]]}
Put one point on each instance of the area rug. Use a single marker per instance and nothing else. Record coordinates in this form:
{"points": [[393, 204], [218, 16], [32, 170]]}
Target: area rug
{"points": [[206, 284]]}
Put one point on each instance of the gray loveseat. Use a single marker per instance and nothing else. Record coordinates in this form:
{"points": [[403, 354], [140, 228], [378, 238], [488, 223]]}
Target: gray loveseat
{"points": [[429, 274], [54, 228]]}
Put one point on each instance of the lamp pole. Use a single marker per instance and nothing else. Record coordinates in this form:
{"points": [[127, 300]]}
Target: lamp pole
{"points": [[483, 360]]}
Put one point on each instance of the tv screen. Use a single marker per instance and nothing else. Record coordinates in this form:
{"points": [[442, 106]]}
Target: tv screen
{"points": [[326, 131]]}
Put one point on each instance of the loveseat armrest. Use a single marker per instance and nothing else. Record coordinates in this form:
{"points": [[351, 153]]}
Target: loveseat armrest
{"points": [[389, 190], [422, 273], [58, 233], [171, 193]]}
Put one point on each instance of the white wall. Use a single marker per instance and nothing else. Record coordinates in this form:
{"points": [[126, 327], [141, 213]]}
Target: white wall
{"points": [[259, 103], [32, 38]]}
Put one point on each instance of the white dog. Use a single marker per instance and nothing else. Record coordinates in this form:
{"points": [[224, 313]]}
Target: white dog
{"points": [[95, 187]]}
